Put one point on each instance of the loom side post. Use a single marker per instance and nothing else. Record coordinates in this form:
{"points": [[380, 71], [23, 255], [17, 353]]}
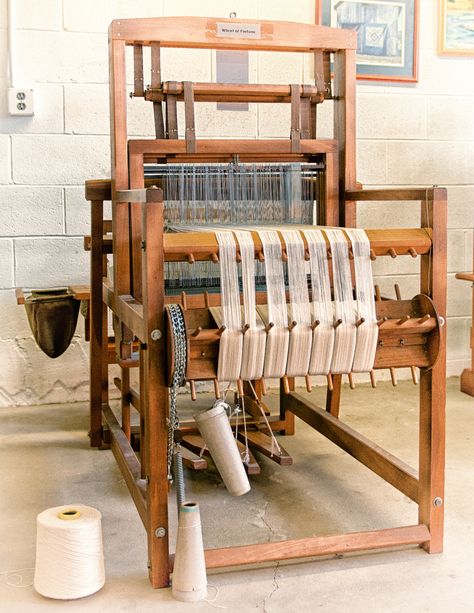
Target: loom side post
{"points": [[154, 404], [433, 382]]}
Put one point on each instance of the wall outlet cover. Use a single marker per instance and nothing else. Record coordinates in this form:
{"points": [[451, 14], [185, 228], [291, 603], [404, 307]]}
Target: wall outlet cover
{"points": [[20, 101]]}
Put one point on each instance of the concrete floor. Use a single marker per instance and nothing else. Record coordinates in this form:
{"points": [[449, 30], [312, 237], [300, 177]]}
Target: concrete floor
{"points": [[46, 462]]}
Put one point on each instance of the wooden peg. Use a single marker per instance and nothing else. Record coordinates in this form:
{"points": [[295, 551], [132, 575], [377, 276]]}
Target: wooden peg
{"points": [[412, 252], [424, 318], [192, 385], [206, 299], [238, 257], [245, 327], [329, 252], [315, 324], [398, 293], [307, 255], [381, 321], [378, 297], [414, 375], [197, 331], [221, 330], [264, 386], [215, 258], [184, 300], [403, 320], [269, 326], [373, 257], [359, 322], [217, 391], [393, 376], [330, 383], [292, 325], [337, 323], [392, 253], [240, 388], [351, 253], [284, 256], [308, 382], [190, 258], [261, 256], [373, 382], [286, 385], [351, 381]]}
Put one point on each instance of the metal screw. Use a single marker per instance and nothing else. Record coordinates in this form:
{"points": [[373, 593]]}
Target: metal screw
{"points": [[155, 335], [233, 15], [438, 501], [160, 532]]}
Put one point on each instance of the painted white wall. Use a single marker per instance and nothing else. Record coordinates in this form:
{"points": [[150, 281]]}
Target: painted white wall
{"points": [[407, 135]]}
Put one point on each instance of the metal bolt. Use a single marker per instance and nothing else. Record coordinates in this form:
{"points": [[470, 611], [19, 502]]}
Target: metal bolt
{"points": [[438, 501], [160, 532], [155, 335]]}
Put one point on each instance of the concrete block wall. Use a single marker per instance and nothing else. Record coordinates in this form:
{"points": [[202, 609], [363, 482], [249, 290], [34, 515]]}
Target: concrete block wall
{"points": [[407, 135]]}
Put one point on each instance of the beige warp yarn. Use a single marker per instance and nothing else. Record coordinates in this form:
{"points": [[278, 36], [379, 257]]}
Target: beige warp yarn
{"points": [[69, 553]]}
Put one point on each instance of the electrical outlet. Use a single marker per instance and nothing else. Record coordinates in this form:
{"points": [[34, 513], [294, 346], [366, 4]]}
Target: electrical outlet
{"points": [[20, 101]]}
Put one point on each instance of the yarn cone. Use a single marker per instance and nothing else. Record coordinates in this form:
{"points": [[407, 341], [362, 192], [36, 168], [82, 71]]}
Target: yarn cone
{"points": [[189, 572], [217, 434]]}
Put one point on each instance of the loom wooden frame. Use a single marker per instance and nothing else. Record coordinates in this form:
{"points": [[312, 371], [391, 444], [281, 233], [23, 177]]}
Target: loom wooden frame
{"points": [[137, 299]]}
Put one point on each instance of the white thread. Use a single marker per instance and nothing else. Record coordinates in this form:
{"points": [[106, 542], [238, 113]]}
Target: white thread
{"points": [[231, 342], [276, 352], [367, 331], [323, 333], [69, 554], [16, 573], [253, 351], [344, 311], [299, 350]]}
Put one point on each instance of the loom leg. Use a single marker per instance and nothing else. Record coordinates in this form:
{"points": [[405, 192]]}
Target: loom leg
{"points": [[285, 411], [333, 397], [98, 358]]}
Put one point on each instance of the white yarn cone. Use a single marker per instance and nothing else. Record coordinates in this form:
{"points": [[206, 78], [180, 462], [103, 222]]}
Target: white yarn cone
{"points": [[189, 572], [217, 434], [69, 554]]}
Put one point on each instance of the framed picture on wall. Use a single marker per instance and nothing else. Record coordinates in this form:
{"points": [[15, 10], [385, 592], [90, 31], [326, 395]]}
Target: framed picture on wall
{"points": [[456, 27], [387, 35]]}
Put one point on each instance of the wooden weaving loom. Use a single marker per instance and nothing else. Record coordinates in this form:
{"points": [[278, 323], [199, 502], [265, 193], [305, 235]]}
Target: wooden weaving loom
{"points": [[410, 332]]}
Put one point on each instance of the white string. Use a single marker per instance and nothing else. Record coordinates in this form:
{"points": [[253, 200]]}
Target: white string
{"points": [[276, 351], [69, 555], [231, 341], [16, 573], [253, 351], [299, 351], [273, 438], [344, 311], [367, 332], [323, 334]]}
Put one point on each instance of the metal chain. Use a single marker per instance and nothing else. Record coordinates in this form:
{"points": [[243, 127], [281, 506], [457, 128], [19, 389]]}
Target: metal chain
{"points": [[178, 334]]}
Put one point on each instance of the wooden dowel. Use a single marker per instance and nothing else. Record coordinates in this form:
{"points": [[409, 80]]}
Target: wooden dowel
{"points": [[245, 327], [190, 258], [403, 320], [238, 257], [378, 297], [381, 321], [206, 299], [412, 252], [393, 376], [292, 325], [284, 256], [315, 324], [286, 384], [373, 382], [217, 391], [330, 383], [215, 258], [264, 386], [221, 330], [308, 382], [240, 388], [359, 322], [373, 257], [192, 386], [197, 331], [351, 381], [307, 255], [392, 253], [269, 326], [414, 375], [184, 301], [424, 318], [337, 323], [260, 256], [398, 293]]}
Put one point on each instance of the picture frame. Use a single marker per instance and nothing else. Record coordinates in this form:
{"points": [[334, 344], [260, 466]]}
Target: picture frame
{"points": [[456, 27], [387, 41]]}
